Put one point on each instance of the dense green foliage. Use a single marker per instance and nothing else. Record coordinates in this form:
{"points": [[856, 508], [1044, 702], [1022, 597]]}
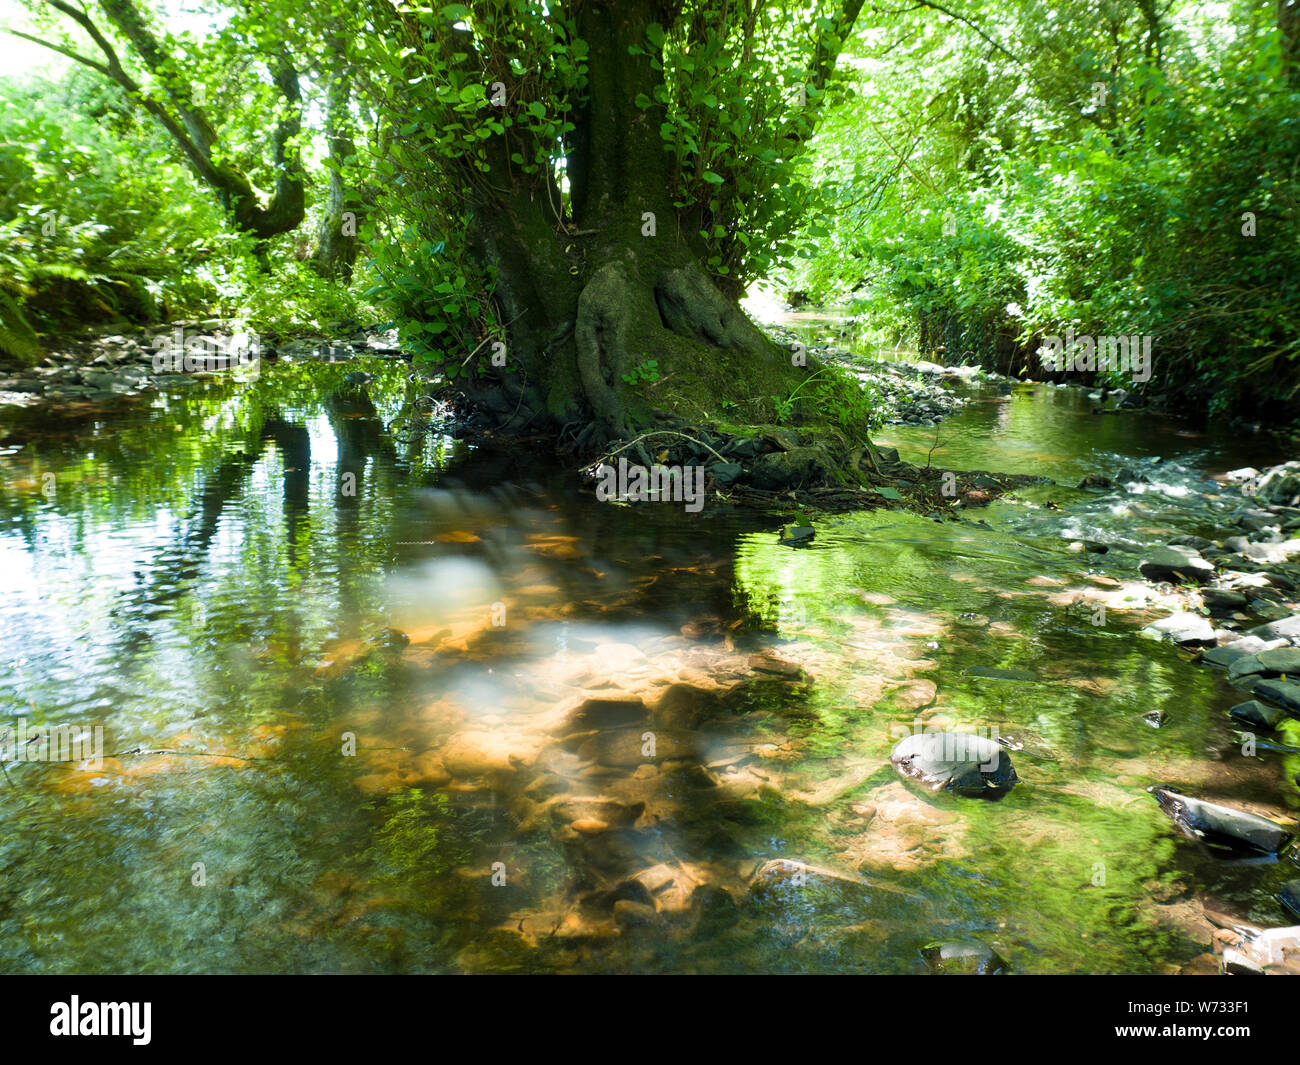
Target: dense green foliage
{"points": [[1094, 169], [101, 221], [971, 178]]}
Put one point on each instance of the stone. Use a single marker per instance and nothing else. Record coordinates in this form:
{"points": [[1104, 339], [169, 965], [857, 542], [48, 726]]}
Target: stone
{"points": [[589, 714], [1246, 666], [1281, 484], [1175, 564], [430, 769], [771, 662], [683, 706], [1196, 543], [1244, 647], [1285, 628], [1257, 714], [1185, 629], [1281, 660], [785, 879], [1282, 692], [1221, 826], [629, 914], [963, 957], [477, 753], [955, 761], [627, 748], [1289, 896], [1222, 600], [725, 474], [1274, 950], [748, 447], [595, 810], [715, 909], [794, 468]]}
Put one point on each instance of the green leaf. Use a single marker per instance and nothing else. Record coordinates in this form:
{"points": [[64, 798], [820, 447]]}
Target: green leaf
{"points": [[712, 178]]}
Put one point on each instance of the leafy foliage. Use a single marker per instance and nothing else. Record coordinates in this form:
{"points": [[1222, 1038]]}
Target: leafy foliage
{"points": [[1088, 173]]}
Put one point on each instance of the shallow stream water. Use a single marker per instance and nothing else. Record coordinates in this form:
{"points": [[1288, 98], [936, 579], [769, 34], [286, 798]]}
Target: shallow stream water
{"points": [[377, 704]]}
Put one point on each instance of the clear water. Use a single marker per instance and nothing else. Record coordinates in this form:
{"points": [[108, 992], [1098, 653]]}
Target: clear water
{"points": [[289, 787]]}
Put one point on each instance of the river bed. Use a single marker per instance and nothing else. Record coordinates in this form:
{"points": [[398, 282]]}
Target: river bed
{"points": [[377, 703]]}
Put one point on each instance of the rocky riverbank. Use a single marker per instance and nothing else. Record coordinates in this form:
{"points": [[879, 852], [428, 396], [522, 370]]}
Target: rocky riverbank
{"points": [[765, 466], [104, 368]]}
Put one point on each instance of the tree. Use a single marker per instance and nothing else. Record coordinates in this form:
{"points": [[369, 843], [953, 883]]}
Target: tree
{"points": [[170, 99], [591, 184]]}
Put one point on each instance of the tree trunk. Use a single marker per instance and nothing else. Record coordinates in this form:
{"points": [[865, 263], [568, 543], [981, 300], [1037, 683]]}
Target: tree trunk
{"points": [[591, 294], [336, 241]]}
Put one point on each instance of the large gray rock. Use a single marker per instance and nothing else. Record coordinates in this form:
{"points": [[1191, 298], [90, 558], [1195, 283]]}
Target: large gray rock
{"points": [[1247, 666], [1175, 564], [1281, 660], [955, 761], [1282, 692], [1222, 826], [1185, 629], [1257, 714], [1226, 654]]}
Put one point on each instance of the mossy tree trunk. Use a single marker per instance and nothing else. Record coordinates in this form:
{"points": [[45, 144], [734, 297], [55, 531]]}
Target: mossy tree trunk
{"points": [[593, 288]]}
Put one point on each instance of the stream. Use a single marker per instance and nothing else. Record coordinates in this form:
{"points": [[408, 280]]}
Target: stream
{"points": [[377, 702]]}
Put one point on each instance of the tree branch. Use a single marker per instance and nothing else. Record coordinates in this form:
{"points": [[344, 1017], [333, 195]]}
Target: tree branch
{"points": [[62, 51]]}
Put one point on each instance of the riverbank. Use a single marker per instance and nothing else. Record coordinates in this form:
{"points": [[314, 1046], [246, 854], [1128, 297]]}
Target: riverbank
{"points": [[770, 467]]}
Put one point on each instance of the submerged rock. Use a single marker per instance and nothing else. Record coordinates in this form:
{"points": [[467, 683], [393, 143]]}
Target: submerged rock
{"points": [[797, 535], [787, 879], [955, 761], [963, 957], [1221, 826], [1289, 896]]}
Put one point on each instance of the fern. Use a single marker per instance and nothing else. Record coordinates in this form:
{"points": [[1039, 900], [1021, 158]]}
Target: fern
{"points": [[17, 337]]}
